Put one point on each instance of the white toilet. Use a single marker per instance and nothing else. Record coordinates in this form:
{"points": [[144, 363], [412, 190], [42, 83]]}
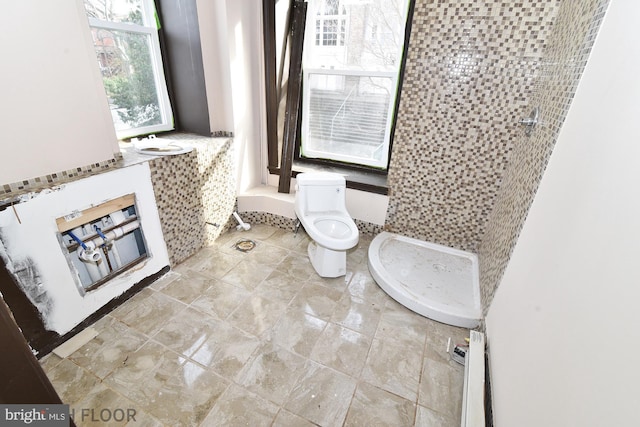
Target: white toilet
{"points": [[320, 207]]}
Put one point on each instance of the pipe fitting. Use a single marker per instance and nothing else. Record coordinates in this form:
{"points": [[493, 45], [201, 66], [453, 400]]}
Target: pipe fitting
{"points": [[88, 253]]}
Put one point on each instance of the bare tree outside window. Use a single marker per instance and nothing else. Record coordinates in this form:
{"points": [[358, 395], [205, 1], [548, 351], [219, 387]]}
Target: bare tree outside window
{"points": [[127, 51]]}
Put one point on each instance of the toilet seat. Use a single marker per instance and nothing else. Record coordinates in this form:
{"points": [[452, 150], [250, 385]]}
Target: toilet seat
{"points": [[332, 230]]}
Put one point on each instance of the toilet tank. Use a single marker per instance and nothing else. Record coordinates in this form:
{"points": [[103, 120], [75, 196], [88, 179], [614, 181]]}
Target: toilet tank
{"points": [[320, 192]]}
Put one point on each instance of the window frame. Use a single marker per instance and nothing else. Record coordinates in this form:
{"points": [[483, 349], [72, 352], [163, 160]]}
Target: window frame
{"points": [[358, 177], [392, 117], [383, 164], [149, 28]]}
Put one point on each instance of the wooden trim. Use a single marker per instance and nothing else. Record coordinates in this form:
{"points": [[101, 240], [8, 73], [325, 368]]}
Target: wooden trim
{"points": [[285, 47], [269, 35], [96, 212], [292, 111]]}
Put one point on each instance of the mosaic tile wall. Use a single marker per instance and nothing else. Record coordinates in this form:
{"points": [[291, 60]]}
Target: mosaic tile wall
{"points": [[194, 191], [471, 66], [563, 62]]}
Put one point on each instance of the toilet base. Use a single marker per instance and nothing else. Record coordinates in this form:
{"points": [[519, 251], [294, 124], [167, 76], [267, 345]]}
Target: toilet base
{"points": [[326, 262]]}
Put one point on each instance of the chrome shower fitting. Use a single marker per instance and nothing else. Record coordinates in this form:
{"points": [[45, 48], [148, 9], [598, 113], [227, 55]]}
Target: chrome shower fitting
{"points": [[530, 122]]}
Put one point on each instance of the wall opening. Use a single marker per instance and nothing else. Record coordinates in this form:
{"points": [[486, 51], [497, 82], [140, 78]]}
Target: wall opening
{"points": [[102, 242]]}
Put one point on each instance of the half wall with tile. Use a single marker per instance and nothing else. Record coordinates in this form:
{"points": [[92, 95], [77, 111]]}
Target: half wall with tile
{"points": [[195, 193]]}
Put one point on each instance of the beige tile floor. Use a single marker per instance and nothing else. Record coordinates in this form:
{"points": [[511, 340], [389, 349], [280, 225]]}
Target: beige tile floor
{"points": [[258, 339]]}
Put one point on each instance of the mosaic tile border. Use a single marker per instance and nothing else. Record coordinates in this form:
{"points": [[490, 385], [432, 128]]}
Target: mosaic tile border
{"points": [[222, 134], [266, 218], [191, 189], [284, 223], [57, 178]]}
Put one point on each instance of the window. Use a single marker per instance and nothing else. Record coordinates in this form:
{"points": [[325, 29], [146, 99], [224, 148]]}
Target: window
{"points": [[125, 37], [351, 67]]}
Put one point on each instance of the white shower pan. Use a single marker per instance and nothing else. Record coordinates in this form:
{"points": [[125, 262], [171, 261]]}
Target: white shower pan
{"points": [[436, 281]]}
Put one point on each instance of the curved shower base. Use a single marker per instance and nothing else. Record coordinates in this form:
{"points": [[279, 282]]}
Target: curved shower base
{"points": [[435, 281]]}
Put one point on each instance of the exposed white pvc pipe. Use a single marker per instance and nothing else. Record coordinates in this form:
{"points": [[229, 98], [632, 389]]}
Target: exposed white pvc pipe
{"points": [[118, 218], [90, 258], [93, 262], [241, 224], [88, 254], [102, 266], [116, 233], [109, 249]]}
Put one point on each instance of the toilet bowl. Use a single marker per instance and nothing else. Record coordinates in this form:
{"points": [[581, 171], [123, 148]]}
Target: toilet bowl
{"points": [[320, 207]]}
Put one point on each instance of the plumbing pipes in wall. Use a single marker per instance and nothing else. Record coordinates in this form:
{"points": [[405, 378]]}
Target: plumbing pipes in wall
{"points": [[105, 245], [88, 255]]}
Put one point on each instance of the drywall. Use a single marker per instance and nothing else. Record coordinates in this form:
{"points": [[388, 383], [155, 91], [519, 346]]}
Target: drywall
{"points": [[562, 327], [31, 250], [54, 110]]}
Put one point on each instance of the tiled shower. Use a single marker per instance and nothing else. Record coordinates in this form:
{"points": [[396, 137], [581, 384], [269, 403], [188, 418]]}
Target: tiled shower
{"points": [[563, 62], [463, 173]]}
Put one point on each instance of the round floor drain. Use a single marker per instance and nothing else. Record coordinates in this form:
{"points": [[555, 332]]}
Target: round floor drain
{"points": [[245, 245]]}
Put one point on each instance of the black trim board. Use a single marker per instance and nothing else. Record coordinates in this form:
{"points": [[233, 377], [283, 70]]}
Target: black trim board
{"points": [[182, 55]]}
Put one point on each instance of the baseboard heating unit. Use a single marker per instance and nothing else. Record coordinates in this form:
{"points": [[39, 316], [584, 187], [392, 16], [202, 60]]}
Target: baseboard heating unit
{"points": [[473, 394]]}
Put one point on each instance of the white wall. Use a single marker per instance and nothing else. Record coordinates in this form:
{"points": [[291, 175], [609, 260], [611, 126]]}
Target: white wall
{"points": [[53, 108], [246, 62], [563, 327], [214, 40]]}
